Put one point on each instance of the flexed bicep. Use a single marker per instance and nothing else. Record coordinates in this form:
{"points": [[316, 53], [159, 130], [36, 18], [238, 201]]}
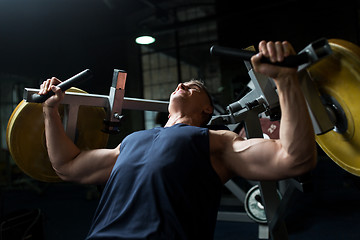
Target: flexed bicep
{"points": [[256, 158]]}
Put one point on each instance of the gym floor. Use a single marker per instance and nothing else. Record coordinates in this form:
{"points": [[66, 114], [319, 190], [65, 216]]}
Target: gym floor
{"points": [[330, 210]]}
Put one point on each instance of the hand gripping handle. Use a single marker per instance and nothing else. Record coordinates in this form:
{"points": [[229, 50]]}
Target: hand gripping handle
{"points": [[71, 82], [290, 61]]}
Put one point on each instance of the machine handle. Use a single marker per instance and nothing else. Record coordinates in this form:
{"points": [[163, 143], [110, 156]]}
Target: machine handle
{"points": [[71, 82], [290, 61]]}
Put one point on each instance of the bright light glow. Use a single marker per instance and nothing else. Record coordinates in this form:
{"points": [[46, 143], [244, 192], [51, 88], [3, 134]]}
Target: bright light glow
{"points": [[144, 40]]}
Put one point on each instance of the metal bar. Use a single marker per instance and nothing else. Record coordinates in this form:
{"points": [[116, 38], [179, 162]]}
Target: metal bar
{"points": [[233, 216], [263, 231], [72, 97], [280, 211], [103, 101], [271, 202], [116, 95], [70, 121], [317, 111], [145, 104], [236, 190]]}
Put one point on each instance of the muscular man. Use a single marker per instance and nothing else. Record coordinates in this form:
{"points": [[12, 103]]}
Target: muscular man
{"points": [[165, 183]]}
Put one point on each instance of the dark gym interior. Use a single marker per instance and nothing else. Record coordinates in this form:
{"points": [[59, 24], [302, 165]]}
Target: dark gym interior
{"points": [[40, 39]]}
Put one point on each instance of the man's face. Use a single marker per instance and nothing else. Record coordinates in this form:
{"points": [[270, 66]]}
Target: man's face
{"points": [[189, 92], [191, 98]]}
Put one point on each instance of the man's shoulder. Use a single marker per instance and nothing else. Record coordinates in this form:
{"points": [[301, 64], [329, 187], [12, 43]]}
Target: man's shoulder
{"points": [[220, 138]]}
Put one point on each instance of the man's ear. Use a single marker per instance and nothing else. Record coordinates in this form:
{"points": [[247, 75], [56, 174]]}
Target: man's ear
{"points": [[208, 109]]}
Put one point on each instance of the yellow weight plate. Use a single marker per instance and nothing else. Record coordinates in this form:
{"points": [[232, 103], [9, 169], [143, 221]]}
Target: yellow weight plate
{"points": [[338, 80], [25, 137]]}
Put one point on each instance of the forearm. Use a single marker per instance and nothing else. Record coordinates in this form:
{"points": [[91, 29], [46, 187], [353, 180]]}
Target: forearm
{"points": [[296, 131], [61, 148], [71, 163]]}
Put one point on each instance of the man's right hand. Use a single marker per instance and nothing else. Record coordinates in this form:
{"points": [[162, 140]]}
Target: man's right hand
{"points": [[276, 52], [50, 85]]}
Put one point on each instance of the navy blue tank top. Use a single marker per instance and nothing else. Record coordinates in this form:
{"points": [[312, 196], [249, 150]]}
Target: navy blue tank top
{"points": [[161, 187]]}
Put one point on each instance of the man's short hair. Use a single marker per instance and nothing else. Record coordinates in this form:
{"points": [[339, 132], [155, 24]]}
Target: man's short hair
{"points": [[201, 84]]}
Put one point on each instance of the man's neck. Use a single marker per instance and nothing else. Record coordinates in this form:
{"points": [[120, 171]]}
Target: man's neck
{"points": [[175, 119]]}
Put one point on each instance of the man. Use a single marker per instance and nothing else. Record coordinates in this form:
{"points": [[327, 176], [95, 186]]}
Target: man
{"points": [[165, 183]]}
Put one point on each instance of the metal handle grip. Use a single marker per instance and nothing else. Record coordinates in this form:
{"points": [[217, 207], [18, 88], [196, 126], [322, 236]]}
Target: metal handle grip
{"points": [[290, 61], [71, 82]]}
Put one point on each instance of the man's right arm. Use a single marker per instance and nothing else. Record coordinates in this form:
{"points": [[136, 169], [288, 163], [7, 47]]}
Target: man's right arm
{"points": [[268, 159], [69, 162]]}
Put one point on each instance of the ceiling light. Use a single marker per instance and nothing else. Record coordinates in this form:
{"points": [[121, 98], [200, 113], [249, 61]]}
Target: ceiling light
{"points": [[144, 40]]}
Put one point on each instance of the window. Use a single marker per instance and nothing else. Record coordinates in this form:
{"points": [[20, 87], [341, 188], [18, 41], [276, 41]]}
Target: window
{"points": [[180, 55]]}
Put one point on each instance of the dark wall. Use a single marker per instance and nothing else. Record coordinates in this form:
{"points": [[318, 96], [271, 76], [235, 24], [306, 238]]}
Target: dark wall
{"points": [[297, 21], [245, 23], [40, 39]]}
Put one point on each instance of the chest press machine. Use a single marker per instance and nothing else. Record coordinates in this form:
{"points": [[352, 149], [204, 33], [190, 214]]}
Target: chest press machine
{"points": [[266, 202]]}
